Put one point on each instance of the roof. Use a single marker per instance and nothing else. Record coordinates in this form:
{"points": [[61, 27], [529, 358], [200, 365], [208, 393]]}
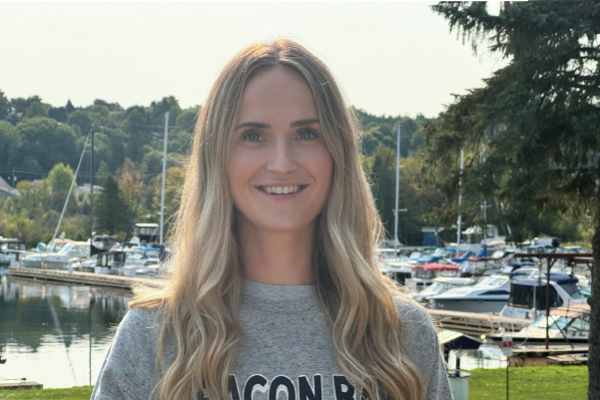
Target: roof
{"points": [[452, 340], [558, 278]]}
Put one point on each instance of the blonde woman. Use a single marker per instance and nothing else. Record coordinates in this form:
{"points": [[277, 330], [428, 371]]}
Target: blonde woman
{"points": [[274, 293]]}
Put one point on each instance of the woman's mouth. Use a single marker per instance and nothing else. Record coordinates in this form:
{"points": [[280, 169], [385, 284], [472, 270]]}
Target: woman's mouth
{"points": [[281, 190]]}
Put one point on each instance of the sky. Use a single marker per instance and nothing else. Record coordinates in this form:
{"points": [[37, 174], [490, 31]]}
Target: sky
{"points": [[392, 58]]}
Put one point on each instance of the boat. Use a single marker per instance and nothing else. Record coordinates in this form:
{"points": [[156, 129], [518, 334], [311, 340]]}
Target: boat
{"points": [[35, 260], [440, 285], [423, 275], [71, 253], [565, 325], [528, 296], [127, 262], [480, 266], [11, 250], [489, 295]]}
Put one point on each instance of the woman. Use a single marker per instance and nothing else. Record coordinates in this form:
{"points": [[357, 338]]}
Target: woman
{"points": [[274, 293]]}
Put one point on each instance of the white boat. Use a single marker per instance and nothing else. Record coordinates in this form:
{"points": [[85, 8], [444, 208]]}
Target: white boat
{"points": [[69, 254], [488, 296], [565, 325], [441, 285], [528, 296], [423, 275], [35, 260]]}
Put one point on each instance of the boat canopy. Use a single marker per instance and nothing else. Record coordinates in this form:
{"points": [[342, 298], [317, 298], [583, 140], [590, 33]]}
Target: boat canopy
{"points": [[522, 294], [463, 257], [430, 258], [519, 264], [436, 267]]}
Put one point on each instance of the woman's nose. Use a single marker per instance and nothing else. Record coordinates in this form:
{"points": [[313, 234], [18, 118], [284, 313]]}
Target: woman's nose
{"points": [[281, 158]]}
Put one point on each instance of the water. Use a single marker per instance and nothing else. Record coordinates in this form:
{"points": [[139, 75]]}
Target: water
{"points": [[58, 335], [55, 334]]}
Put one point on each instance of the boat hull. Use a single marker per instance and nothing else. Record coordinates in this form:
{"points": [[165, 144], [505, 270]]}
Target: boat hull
{"points": [[476, 306]]}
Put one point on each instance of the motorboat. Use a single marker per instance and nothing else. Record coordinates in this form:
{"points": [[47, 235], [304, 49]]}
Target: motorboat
{"points": [[489, 295], [528, 297], [423, 275], [35, 260], [11, 250], [127, 262], [71, 253], [565, 325], [440, 285], [480, 266]]}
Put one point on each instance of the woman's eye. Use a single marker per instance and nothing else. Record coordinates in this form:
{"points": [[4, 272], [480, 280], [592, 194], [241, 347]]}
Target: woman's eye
{"points": [[251, 136], [307, 134]]}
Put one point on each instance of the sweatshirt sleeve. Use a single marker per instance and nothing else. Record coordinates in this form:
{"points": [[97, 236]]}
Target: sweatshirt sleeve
{"points": [[422, 347], [128, 371]]}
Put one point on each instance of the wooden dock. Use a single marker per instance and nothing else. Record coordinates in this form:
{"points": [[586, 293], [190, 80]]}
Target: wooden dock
{"points": [[21, 385], [79, 278], [477, 323], [538, 356]]}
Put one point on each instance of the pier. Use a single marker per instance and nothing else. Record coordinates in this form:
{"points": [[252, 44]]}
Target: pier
{"points": [[79, 278], [477, 323]]}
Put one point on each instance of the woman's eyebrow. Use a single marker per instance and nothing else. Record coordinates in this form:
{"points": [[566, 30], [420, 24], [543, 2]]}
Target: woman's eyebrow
{"points": [[257, 125], [303, 122], [260, 125]]}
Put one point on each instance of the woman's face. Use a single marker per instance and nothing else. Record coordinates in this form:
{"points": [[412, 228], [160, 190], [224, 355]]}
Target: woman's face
{"points": [[280, 169]]}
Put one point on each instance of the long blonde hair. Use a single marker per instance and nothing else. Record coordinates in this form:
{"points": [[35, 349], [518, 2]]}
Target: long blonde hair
{"points": [[201, 298]]}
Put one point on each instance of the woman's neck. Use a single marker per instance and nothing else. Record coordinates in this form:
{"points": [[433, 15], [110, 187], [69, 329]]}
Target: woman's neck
{"points": [[276, 257]]}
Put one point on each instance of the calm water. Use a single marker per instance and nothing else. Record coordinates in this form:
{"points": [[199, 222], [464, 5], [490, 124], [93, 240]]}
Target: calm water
{"points": [[58, 335]]}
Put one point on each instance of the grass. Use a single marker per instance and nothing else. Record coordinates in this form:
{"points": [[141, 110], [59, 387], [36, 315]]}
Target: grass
{"points": [[526, 383], [529, 383], [74, 393]]}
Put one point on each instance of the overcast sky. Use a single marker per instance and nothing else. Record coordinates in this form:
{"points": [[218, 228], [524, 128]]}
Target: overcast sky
{"points": [[390, 58]]}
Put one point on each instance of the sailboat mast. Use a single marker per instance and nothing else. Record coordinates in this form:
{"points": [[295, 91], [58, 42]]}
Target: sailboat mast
{"points": [[397, 189], [462, 164], [92, 186], [164, 174]]}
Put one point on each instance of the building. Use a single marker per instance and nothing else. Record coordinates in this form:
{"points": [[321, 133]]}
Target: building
{"points": [[6, 190]]}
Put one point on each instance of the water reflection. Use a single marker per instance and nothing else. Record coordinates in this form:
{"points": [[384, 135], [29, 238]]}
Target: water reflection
{"points": [[56, 334]]}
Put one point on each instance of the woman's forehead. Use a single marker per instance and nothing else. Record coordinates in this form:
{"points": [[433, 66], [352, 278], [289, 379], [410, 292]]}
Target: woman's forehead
{"points": [[277, 93]]}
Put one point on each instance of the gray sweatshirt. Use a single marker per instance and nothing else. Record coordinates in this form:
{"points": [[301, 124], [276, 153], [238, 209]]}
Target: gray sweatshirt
{"points": [[286, 353]]}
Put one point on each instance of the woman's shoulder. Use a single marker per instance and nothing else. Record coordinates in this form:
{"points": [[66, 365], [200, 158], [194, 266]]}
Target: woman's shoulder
{"points": [[141, 325], [417, 328]]}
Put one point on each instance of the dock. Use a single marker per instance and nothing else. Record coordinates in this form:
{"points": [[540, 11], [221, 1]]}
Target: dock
{"points": [[477, 323], [21, 385], [538, 356], [80, 278]]}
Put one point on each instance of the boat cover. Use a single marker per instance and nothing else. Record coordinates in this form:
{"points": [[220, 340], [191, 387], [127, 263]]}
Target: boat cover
{"points": [[522, 292]]}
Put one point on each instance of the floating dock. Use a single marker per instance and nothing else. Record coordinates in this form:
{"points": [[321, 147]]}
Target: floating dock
{"points": [[477, 323], [79, 278]]}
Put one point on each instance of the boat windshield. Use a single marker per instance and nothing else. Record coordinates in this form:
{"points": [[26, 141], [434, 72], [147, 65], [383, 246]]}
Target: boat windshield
{"points": [[437, 287], [66, 249], [554, 321], [493, 281]]}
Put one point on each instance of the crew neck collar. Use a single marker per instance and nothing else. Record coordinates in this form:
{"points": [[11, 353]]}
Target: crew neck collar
{"points": [[272, 292]]}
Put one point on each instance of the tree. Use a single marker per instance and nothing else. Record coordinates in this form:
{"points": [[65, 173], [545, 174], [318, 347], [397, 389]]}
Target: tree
{"points": [[111, 210], [59, 180], [3, 105], [537, 121], [10, 144]]}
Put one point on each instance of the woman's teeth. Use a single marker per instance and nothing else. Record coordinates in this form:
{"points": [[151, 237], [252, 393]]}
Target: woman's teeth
{"points": [[281, 189]]}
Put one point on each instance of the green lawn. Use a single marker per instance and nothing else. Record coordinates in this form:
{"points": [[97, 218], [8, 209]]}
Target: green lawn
{"points": [[526, 383], [530, 383], [74, 393]]}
